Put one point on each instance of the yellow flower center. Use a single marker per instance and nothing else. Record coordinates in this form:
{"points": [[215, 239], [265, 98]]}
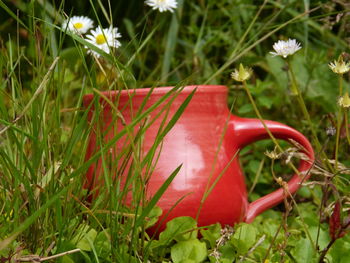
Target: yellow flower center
{"points": [[100, 39], [78, 25]]}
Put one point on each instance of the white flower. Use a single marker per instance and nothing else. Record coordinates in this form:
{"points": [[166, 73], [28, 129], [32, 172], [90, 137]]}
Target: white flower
{"points": [[285, 48], [78, 24], [162, 5], [104, 39]]}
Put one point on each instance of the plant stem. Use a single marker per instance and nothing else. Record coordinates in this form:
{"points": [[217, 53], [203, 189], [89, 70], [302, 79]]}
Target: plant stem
{"points": [[257, 112], [297, 93], [339, 121], [301, 102], [324, 252], [347, 126]]}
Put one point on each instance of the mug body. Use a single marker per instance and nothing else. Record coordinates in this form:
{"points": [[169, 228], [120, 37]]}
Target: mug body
{"points": [[209, 185]]}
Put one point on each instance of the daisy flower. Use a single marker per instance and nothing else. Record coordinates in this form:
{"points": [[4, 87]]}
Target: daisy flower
{"points": [[104, 39], [241, 74], [162, 5], [339, 66], [78, 24], [285, 48]]}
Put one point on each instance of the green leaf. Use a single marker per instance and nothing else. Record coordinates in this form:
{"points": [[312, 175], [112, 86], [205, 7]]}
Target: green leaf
{"points": [[179, 229], [323, 236], [265, 101], [228, 253], [245, 109], [85, 233], [276, 65], [244, 238], [253, 166], [211, 234], [102, 244], [189, 251], [303, 251], [153, 216], [67, 259], [340, 251]]}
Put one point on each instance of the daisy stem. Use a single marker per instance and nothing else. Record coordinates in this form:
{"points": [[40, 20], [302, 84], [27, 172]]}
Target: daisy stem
{"points": [[257, 112], [297, 93], [340, 84], [347, 126], [294, 86], [339, 121]]}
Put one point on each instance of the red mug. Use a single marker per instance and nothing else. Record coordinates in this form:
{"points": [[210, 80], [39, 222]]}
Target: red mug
{"points": [[205, 140]]}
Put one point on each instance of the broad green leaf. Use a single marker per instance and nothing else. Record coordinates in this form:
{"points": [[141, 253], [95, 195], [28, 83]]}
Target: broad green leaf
{"points": [[244, 238], [189, 251], [67, 259], [102, 243], [309, 214], [245, 109], [228, 253], [340, 251], [323, 236], [276, 65], [265, 101], [84, 234], [211, 234], [253, 166], [179, 229], [304, 252], [153, 216]]}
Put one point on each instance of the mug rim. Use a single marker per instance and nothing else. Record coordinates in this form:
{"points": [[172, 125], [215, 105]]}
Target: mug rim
{"points": [[87, 98]]}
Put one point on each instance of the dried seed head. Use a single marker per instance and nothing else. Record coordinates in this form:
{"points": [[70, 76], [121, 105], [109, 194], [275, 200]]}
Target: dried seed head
{"points": [[339, 66], [241, 74], [331, 131]]}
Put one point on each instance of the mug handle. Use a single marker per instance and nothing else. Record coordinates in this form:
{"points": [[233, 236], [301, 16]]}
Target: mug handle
{"points": [[247, 131]]}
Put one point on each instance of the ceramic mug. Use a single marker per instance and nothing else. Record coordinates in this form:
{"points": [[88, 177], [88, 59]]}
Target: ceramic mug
{"points": [[205, 140]]}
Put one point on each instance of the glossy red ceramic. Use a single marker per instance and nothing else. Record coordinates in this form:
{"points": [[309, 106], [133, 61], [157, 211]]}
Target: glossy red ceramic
{"points": [[206, 140]]}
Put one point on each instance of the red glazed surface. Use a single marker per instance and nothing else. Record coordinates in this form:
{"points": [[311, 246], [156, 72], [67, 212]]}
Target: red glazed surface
{"points": [[196, 142]]}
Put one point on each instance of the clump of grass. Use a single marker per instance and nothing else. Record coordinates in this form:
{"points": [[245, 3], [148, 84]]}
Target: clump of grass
{"points": [[44, 130]]}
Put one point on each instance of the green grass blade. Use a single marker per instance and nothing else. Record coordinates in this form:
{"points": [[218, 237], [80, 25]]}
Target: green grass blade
{"points": [[123, 132], [30, 220], [171, 42], [13, 15], [168, 127], [156, 197]]}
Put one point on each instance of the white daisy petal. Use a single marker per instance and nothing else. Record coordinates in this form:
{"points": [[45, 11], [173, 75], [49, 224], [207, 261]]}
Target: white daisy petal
{"points": [[285, 48], [162, 5], [78, 24], [104, 39]]}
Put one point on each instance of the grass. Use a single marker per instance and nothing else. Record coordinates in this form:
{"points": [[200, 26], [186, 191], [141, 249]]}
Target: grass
{"points": [[44, 131]]}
